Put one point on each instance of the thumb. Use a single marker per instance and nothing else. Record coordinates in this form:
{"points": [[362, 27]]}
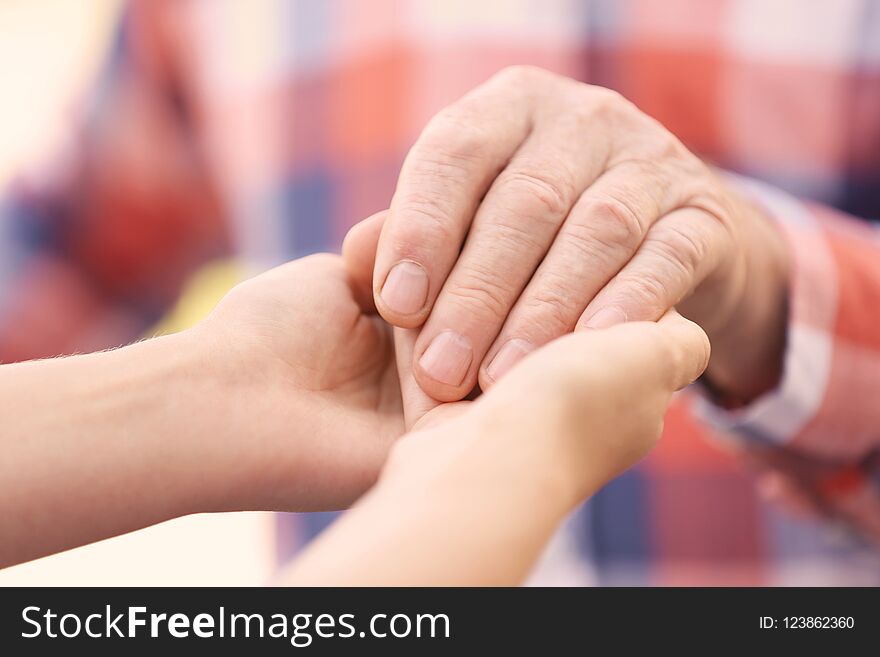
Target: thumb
{"points": [[417, 404], [686, 349], [607, 389], [593, 402], [666, 355], [359, 255]]}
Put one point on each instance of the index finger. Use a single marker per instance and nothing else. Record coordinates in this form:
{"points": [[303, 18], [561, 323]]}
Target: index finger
{"points": [[359, 256], [443, 179]]}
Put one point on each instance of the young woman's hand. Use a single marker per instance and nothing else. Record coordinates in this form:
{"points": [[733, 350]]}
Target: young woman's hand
{"points": [[311, 396], [286, 397], [473, 493]]}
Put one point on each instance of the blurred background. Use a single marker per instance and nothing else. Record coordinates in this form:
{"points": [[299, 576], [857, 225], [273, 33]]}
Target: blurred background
{"points": [[48, 55], [154, 152], [50, 51]]}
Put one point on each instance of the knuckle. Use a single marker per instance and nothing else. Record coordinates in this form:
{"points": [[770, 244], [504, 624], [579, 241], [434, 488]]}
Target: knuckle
{"points": [[616, 223], [480, 294], [683, 248], [519, 74], [453, 137], [440, 167], [513, 235], [586, 242], [427, 224], [663, 153], [550, 193], [606, 96], [716, 206], [604, 102], [551, 310], [650, 293], [665, 146], [647, 169]]}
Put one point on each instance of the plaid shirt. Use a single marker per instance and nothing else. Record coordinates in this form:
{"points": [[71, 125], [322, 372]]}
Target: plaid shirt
{"points": [[264, 128]]}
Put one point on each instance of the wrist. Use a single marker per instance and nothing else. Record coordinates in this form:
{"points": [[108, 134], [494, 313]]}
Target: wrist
{"points": [[234, 407], [184, 416], [198, 409], [120, 440]]}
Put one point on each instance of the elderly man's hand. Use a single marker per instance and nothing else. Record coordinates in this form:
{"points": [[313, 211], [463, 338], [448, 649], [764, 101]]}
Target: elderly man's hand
{"points": [[536, 205]]}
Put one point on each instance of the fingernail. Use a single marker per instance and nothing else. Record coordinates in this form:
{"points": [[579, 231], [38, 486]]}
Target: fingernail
{"points": [[508, 356], [606, 317], [447, 358], [406, 288]]}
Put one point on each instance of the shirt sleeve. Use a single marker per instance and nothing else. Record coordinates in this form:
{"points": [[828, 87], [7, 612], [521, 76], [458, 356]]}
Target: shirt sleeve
{"points": [[827, 405], [96, 242]]}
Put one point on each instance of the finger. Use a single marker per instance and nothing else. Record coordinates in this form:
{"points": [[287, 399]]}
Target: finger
{"points": [[445, 175], [678, 253], [419, 409], [513, 229], [415, 402], [634, 361], [596, 399], [359, 255], [601, 233], [667, 355], [687, 350]]}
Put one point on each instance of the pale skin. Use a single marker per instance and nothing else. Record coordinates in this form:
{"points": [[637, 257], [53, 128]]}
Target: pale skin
{"points": [[533, 207], [288, 397], [537, 205], [472, 495]]}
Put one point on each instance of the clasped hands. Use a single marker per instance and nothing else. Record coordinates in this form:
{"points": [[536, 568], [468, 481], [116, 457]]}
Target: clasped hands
{"points": [[468, 492], [538, 220]]}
